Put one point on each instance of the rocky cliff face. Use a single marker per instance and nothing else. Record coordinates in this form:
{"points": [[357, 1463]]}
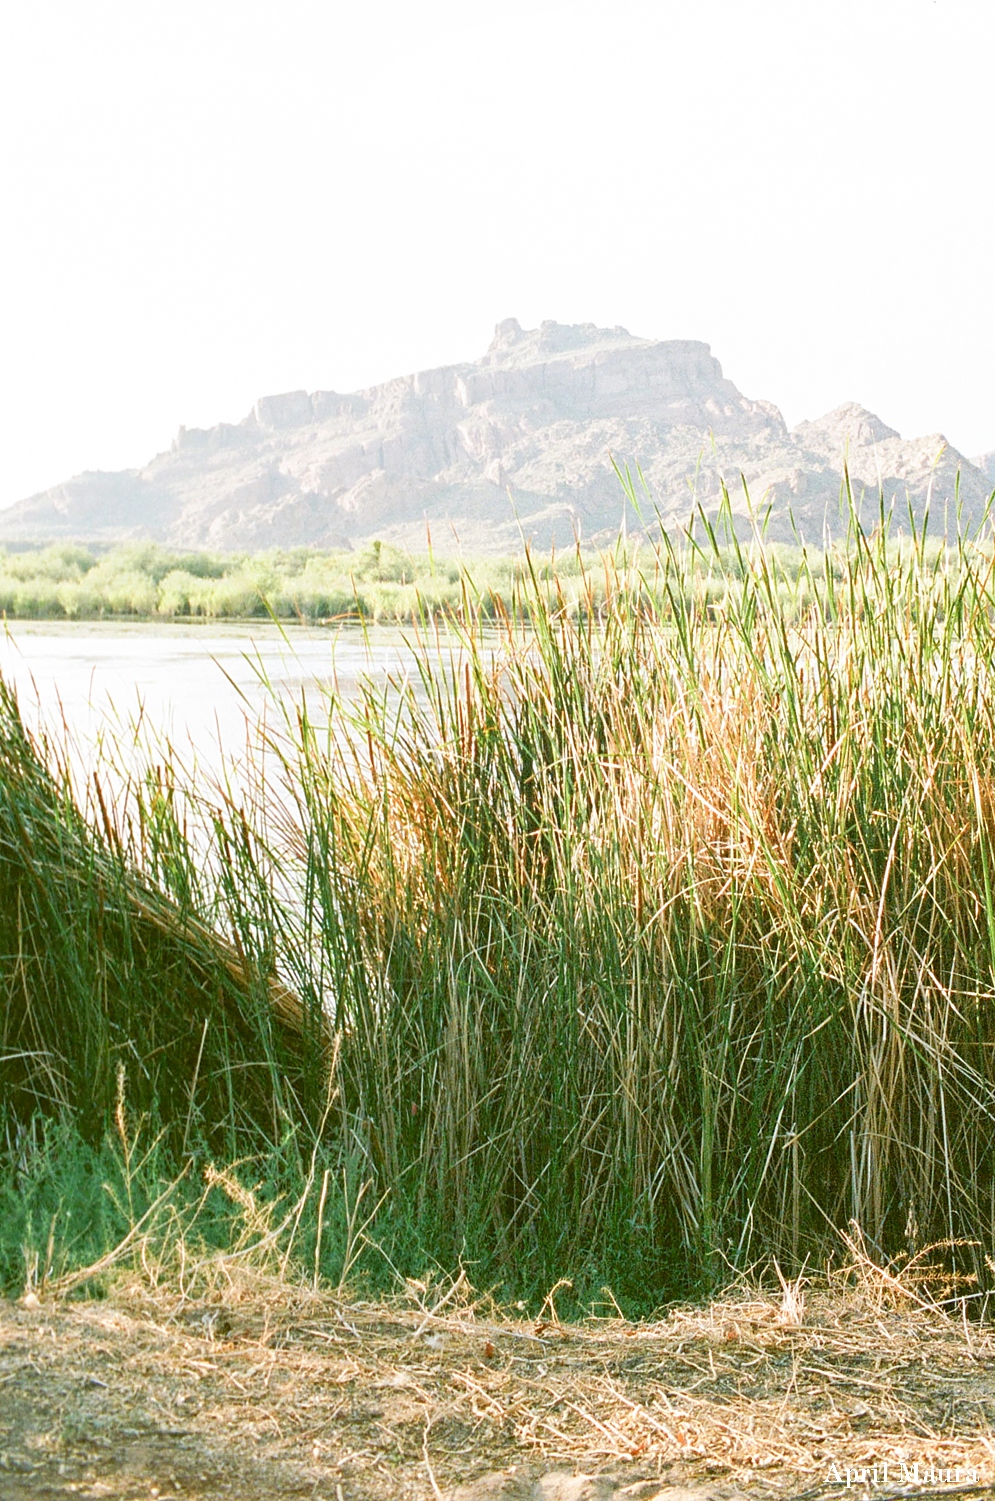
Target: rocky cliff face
{"points": [[521, 441], [985, 463]]}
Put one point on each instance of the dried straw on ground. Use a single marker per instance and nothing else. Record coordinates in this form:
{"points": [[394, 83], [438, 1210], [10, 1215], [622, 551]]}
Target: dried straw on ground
{"points": [[231, 1379]]}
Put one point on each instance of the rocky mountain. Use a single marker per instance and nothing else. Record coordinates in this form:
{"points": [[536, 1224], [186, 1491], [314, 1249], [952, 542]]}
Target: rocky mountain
{"points": [[520, 442], [985, 463]]}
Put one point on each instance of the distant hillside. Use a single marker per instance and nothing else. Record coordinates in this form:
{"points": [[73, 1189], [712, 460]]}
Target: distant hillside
{"points": [[986, 464], [521, 440]]}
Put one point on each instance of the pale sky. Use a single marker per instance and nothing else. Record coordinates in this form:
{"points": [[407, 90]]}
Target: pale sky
{"points": [[204, 202]]}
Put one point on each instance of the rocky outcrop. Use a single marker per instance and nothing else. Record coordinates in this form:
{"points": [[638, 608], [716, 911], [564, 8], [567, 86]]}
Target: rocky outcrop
{"points": [[522, 442], [985, 463]]}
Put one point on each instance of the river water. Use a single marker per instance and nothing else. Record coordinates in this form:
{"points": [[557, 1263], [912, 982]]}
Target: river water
{"points": [[202, 688]]}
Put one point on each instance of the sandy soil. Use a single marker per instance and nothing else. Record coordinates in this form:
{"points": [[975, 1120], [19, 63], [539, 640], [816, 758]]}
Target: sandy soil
{"points": [[269, 1392]]}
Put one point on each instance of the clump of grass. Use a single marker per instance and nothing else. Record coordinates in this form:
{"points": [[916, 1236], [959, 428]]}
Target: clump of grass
{"points": [[662, 940], [106, 965], [656, 931]]}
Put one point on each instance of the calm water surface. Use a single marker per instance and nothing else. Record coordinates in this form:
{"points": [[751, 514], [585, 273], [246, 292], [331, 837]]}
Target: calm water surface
{"points": [[202, 687]]}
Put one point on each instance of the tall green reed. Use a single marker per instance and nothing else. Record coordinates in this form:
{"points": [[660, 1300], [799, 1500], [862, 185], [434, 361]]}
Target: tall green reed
{"points": [[641, 938], [662, 934]]}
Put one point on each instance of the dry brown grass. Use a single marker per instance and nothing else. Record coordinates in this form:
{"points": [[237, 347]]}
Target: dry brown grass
{"points": [[243, 1387]]}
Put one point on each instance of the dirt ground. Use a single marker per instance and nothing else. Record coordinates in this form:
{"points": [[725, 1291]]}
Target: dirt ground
{"points": [[263, 1392]]}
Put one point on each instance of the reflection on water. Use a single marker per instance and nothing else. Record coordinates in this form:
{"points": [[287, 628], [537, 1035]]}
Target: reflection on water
{"points": [[202, 687]]}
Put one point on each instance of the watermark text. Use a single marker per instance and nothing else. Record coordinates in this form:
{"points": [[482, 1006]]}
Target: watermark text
{"points": [[883, 1476]]}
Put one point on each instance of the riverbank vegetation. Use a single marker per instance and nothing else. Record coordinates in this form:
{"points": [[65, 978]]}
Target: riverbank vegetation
{"points": [[147, 582], [632, 944], [377, 583]]}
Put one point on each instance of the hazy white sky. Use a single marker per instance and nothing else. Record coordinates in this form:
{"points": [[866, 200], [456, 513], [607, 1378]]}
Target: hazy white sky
{"points": [[204, 202]]}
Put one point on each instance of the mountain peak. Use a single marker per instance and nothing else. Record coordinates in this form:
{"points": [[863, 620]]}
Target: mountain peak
{"points": [[847, 424], [513, 344], [545, 414], [507, 334]]}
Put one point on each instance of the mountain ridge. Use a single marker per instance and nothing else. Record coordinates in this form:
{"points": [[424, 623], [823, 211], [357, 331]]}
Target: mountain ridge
{"points": [[522, 442]]}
